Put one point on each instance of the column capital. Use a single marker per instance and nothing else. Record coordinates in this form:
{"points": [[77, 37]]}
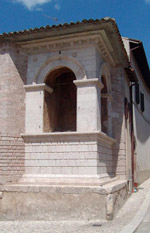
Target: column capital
{"points": [[88, 82], [38, 87]]}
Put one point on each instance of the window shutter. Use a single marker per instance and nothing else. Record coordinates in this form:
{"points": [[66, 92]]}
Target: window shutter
{"points": [[142, 102], [137, 93]]}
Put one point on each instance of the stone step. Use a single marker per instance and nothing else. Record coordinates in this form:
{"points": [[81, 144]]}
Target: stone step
{"points": [[67, 180], [51, 202]]}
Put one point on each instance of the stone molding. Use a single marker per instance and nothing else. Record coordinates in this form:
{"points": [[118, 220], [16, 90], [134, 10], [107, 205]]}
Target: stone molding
{"points": [[57, 62], [88, 82], [56, 136], [108, 188], [98, 39], [38, 87]]}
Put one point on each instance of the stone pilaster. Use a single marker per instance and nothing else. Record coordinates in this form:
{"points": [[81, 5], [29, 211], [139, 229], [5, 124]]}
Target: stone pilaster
{"points": [[34, 107], [88, 105]]}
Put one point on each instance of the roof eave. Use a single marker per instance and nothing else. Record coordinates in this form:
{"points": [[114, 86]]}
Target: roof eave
{"points": [[107, 24]]}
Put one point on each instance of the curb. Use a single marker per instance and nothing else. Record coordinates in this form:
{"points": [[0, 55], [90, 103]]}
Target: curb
{"points": [[135, 222]]}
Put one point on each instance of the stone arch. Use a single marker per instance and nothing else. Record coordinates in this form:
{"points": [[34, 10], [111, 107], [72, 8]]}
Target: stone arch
{"points": [[56, 63]]}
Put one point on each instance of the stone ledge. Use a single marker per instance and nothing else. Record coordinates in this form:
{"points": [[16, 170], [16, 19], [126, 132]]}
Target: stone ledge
{"points": [[66, 180], [38, 87], [61, 135], [88, 82], [61, 202], [115, 186], [50, 188]]}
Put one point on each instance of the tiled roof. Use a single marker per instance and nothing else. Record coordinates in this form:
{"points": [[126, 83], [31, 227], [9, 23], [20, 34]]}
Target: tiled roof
{"points": [[65, 25], [78, 26]]}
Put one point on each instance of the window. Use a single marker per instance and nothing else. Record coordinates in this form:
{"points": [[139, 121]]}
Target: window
{"points": [[137, 93]]}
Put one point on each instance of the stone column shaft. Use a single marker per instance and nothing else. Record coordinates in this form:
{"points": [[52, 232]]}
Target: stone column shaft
{"points": [[34, 107], [88, 105]]}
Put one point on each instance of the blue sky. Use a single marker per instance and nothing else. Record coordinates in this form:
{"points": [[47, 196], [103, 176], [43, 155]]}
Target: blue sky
{"points": [[132, 16]]}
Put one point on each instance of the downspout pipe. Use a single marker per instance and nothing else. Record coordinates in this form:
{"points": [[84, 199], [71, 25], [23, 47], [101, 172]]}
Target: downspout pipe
{"points": [[132, 134]]}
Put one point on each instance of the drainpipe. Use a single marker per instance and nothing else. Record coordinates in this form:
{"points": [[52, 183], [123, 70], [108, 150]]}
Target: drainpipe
{"points": [[132, 136], [132, 175]]}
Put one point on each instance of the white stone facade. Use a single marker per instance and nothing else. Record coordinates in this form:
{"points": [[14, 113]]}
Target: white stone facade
{"points": [[65, 120], [95, 143], [80, 154]]}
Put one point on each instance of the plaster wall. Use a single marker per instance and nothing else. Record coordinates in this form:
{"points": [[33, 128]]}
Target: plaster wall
{"points": [[141, 130], [126, 45]]}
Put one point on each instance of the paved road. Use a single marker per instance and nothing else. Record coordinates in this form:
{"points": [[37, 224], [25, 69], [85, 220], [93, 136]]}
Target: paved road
{"points": [[144, 227]]}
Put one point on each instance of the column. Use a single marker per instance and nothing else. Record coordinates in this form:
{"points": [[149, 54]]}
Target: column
{"points": [[88, 105], [34, 107]]}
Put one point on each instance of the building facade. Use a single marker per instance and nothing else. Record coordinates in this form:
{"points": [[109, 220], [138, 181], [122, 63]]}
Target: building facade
{"points": [[65, 112]]}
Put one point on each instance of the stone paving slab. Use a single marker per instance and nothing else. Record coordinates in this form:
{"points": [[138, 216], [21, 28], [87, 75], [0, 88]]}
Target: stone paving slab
{"points": [[48, 227], [143, 228]]}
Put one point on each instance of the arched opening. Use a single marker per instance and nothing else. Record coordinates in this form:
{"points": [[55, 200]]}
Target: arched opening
{"points": [[104, 106], [60, 105]]}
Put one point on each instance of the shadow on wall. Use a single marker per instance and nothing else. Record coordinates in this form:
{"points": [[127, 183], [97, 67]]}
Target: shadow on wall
{"points": [[142, 147], [142, 127]]}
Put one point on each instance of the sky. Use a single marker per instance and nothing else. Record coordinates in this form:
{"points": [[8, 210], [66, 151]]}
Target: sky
{"points": [[132, 16]]}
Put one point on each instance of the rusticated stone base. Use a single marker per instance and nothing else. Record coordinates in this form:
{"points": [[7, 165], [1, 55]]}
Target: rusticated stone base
{"points": [[49, 202]]}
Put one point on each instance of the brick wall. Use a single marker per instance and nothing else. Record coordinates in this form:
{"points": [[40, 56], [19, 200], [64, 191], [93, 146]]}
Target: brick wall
{"points": [[118, 122], [13, 67], [11, 158]]}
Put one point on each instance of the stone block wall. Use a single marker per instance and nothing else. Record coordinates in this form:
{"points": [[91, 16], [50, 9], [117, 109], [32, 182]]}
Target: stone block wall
{"points": [[105, 157], [67, 153]]}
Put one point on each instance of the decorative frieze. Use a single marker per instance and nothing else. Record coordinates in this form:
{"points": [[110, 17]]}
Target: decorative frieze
{"points": [[66, 43]]}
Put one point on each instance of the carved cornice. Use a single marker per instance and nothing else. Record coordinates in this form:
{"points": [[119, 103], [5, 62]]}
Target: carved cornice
{"points": [[96, 39]]}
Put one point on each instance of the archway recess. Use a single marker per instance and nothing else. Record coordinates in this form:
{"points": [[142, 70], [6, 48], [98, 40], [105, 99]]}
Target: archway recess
{"points": [[58, 62], [60, 105]]}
